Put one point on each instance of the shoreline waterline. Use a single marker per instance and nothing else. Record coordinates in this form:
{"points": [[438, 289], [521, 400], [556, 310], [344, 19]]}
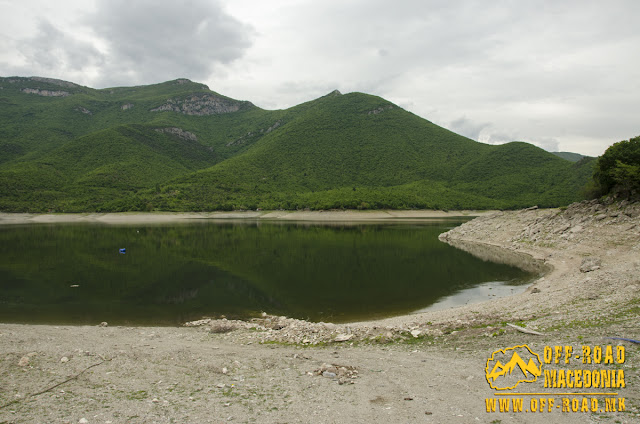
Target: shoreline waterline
{"points": [[124, 218]]}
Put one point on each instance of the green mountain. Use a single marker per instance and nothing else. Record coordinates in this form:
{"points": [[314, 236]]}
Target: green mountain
{"points": [[179, 146]]}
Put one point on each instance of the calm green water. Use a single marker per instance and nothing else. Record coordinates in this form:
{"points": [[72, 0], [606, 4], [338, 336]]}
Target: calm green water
{"points": [[174, 273]]}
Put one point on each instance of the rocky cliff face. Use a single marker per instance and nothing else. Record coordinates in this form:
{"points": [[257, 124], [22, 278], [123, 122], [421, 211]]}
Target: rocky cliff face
{"points": [[45, 93], [201, 105]]}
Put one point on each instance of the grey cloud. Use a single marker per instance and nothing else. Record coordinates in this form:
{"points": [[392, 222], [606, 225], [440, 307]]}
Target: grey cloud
{"points": [[51, 49], [468, 128], [307, 90], [549, 144], [156, 41]]}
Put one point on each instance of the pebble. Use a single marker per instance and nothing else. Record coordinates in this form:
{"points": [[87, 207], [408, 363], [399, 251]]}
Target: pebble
{"points": [[343, 337]]}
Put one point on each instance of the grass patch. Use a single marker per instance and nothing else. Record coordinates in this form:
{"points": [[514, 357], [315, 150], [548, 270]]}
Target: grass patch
{"points": [[138, 395]]}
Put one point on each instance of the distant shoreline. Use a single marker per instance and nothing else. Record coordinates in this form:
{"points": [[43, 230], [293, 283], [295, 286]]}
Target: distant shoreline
{"points": [[174, 217]]}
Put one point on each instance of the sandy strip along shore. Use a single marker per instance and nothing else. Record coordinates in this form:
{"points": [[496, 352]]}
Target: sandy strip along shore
{"points": [[419, 368], [170, 217]]}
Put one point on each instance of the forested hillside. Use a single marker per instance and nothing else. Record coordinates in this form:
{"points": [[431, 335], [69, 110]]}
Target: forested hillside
{"points": [[179, 146]]}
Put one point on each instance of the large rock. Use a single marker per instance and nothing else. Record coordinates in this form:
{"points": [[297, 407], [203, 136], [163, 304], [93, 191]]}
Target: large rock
{"points": [[590, 264]]}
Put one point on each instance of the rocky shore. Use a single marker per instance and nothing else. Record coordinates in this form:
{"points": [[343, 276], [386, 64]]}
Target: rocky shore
{"points": [[588, 256]]}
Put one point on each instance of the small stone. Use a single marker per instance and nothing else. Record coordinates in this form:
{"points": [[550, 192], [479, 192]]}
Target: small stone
{"points": [[343, 337], [225, 370], [155, 400], [103, 324], [64, 359], [329, 374], [24, 361], [83, 421], [415, 333]]}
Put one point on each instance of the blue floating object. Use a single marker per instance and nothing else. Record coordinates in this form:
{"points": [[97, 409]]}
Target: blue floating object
{"points": [[123, 250]]}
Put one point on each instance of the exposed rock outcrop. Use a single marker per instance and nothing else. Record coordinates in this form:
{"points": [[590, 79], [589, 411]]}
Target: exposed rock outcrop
{"points": [[379, 110], [201, 104], [45, 93], [178, 132]]}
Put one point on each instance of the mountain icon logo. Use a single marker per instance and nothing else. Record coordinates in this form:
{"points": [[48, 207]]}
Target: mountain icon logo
{"points": [[506, 368]]}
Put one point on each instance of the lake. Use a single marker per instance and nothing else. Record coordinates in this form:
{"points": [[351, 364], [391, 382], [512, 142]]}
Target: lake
{"points": [[170, 274]]}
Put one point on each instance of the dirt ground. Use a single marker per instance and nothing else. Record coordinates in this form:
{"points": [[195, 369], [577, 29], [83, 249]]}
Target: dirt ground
{"points": [[425, 368]]}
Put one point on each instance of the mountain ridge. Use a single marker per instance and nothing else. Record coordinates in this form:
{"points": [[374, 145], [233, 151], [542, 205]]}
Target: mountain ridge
{"points": [[179, 146]]}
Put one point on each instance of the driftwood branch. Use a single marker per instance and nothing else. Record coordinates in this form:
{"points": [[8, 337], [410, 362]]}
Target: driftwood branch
{"points": [[54, 386], [525, 330]]}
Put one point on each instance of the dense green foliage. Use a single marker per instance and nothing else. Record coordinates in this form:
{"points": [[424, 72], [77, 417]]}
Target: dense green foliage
{"points": [[618, 169], [133, 148]]}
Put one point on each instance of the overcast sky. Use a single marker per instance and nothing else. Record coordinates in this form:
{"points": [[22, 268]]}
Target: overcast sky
{"points": [[564, 75]]}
